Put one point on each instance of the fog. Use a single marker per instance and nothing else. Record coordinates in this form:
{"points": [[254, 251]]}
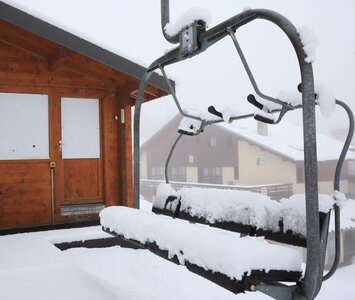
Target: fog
{"points": [[132, 29]]}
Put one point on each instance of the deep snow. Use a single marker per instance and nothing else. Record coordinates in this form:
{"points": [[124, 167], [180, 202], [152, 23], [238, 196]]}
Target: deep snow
{"points": [[210, 248], [32, 268]]}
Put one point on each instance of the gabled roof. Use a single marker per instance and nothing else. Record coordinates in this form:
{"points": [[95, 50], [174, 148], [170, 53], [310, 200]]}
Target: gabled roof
{"points": [[171, 125], [286, 140], [70, 41], [283, 139]]}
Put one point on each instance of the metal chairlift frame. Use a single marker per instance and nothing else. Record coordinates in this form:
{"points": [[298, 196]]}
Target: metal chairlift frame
{"points": [[310, 285]]}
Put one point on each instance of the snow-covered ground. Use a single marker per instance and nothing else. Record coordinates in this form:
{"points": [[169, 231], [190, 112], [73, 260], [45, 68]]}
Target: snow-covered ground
{"points": [[32, 268]]}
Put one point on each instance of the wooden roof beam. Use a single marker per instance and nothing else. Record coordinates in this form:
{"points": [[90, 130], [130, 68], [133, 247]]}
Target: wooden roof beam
{"points": [[22, 43], [97, 69], [149, 94], [58, 57]]}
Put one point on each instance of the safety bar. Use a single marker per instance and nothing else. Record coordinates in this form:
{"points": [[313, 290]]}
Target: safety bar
{"points": [[314, 269], [337, 187]]}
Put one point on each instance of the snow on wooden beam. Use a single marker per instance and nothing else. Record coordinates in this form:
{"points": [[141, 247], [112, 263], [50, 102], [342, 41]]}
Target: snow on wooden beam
{"points": [[206, 247], [245, 212]]}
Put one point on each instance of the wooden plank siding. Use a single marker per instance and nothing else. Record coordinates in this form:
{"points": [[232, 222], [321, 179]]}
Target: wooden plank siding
{"points": [[34, 65], [25, 194]]}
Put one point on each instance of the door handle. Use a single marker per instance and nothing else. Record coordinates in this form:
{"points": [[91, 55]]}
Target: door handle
{"points": [[60, 145]]}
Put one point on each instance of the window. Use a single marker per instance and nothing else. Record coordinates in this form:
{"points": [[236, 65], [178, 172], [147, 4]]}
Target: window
{"points": [[210, 175], [261, 160], [212, 141], [178, 174], [24, 132], [80, 128], [156, 173]]}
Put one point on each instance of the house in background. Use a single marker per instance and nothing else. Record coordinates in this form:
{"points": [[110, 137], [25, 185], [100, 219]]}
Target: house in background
{"points": [[65, 123], [245, 153]]}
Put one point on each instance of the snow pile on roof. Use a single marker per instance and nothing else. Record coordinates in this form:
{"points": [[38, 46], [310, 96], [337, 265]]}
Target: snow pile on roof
{"points": [[210, 248], [310, 43], [189, 17], [243, 207], [286, 139]]}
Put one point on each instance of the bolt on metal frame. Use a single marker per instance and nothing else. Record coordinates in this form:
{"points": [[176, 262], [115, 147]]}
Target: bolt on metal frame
{"points": [[310, 285]]}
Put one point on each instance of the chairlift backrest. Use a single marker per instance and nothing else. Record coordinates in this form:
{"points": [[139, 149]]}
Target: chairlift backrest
{"points": [[194, 39]]}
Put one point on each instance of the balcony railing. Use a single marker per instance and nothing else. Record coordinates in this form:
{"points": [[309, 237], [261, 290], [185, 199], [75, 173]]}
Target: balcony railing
{"points": [[275, 191]]}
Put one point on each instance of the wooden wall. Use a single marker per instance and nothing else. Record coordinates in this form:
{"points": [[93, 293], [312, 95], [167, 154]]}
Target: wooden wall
{"points": [[30, 64], [24, 193]]}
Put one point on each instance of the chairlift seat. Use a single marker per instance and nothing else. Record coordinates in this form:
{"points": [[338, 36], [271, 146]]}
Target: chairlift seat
{"points": [[245, 212], [223, 257]]}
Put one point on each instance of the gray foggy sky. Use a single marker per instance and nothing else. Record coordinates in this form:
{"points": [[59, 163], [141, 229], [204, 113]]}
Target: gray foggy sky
{"points": [[132, 29]]}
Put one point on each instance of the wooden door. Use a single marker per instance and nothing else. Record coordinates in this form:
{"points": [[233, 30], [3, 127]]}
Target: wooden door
{"points": [[80, 180], [25, 190]]}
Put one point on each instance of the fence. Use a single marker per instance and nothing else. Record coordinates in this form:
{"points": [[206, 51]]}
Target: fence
{"points": [[275, 191]]}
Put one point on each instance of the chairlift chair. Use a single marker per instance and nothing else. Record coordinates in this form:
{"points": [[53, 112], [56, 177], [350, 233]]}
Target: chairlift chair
{"points": [[193, 40]]}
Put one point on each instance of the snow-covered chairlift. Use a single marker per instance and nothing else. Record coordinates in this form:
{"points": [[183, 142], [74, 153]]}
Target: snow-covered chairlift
{"points": [[202, 248]]}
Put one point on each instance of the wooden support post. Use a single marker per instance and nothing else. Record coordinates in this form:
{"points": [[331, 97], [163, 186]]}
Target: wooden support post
{"points": [[125, 141]]}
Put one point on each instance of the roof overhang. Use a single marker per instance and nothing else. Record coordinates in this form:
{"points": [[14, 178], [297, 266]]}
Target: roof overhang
{"points": [[70, 41]]}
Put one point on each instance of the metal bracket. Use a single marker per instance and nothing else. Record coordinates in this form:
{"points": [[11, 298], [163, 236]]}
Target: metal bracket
{"points": [[188, 40], [276, 291]]}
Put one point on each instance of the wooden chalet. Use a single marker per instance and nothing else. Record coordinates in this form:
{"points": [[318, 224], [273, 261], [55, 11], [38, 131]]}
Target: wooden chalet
{"points": [[65, 119]]}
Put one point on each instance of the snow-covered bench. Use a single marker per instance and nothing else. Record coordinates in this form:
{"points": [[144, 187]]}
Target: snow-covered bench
{"points": [[245, 212], [221, 256]]}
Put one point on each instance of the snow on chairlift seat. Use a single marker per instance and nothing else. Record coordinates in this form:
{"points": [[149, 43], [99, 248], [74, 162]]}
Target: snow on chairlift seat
{"points": [[246, 212], [222, 253]]}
